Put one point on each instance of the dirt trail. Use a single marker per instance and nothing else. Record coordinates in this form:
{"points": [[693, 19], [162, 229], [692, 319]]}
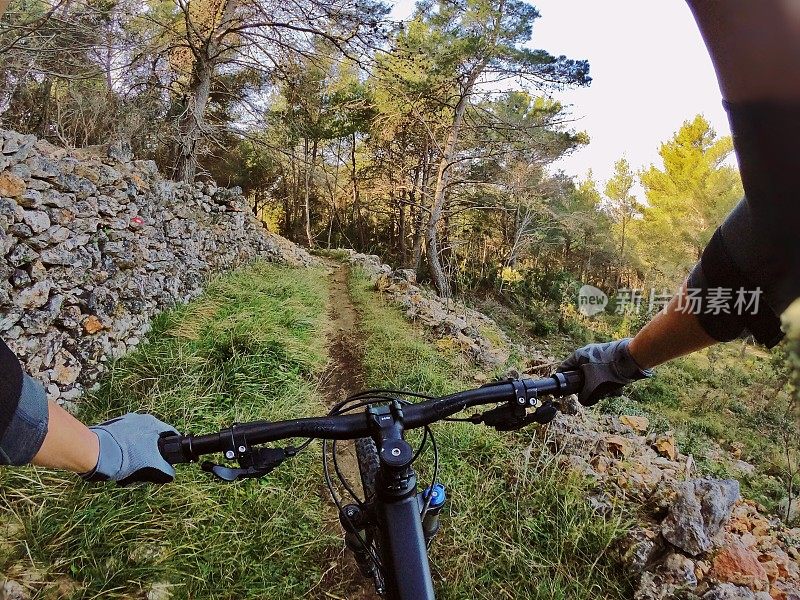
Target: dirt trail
{"points": [[343, 376], [345, 372]]}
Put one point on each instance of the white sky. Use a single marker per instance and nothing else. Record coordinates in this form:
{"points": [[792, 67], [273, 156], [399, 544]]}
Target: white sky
{"points": [[650, 73]]}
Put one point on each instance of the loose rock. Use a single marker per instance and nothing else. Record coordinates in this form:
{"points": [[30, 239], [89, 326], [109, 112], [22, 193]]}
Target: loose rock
{"points": [[696, 517]]}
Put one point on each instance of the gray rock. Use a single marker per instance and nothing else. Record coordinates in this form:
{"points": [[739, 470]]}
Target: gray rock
{"points": [[20, 278], [700, 509], [81, 187], [120, 150], [79, 280], [728, 591], [37, 220], [639, 550], [42, 167], [12, 590], [34, 297], [743, 467], [11, 210], [679, 570], [21, 170], [31, 199], [8, 320], [20, 230]]}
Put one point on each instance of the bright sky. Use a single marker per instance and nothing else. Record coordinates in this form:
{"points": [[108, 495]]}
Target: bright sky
{"points": [[650, 73]]}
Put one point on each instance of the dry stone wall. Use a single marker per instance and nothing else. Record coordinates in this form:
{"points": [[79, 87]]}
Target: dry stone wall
{"points": [[451, 321], [93, 244]]}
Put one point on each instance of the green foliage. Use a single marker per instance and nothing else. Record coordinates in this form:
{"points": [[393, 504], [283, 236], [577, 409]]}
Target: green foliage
{"points": [[687, 198], [622, 204]]}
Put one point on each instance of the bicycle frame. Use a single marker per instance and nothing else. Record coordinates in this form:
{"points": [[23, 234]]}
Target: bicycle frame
{"points": [[404, 553], [395, 511]]}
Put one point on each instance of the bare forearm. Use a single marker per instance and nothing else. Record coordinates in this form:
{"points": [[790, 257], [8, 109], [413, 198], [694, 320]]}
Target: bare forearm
{"points": [[69, 444], [670, 334]]}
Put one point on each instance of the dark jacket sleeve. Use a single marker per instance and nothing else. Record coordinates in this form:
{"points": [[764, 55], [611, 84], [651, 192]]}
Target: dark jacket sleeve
{"points": [[24, 410], [10, 386], [757, 248]]}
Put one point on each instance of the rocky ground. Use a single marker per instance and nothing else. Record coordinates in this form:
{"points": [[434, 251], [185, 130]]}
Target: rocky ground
{"points": [[93, 244], [695, 538]]}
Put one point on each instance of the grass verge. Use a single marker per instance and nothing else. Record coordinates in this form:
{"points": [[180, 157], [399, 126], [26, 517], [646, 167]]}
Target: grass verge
{"points": [[726, 403], [516, 525], [249, 348]]}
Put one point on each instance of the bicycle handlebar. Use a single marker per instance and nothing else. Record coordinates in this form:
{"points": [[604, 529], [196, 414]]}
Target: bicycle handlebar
{"points": [[188, 448]]}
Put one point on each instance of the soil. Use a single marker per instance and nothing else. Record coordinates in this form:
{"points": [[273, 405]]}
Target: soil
{"points": [[345, 372], [344, 375]]}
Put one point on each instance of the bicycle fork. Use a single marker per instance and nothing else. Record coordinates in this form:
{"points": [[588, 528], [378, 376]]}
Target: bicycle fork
{"points": [[356, 521]]}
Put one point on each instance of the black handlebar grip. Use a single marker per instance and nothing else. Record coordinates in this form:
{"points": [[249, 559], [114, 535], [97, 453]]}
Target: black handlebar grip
{"points": [[171, 447], [572, 382]]}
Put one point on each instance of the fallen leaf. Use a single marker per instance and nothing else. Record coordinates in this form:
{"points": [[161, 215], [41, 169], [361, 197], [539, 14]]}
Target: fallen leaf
{"points": [[636, 423], [666, 446]]}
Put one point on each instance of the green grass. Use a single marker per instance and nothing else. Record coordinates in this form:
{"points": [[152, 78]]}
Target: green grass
{"points": [[248, 348], [516, 525], [251, 348]]}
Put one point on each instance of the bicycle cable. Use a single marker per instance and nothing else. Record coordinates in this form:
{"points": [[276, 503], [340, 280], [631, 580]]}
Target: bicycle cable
{"points": [[429, 499]]}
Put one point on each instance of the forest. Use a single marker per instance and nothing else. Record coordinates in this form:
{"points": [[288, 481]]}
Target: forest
{"points": [[430, 142]]}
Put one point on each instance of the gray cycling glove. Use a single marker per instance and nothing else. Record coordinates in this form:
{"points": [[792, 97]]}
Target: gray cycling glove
{"points": [[129, 451], [606, 369]]}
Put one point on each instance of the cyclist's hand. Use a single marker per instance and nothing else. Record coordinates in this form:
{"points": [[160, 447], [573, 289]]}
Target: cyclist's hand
{"points": [[606, 369], [129, 451]]}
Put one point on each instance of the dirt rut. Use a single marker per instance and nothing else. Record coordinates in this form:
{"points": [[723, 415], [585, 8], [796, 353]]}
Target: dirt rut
{"points": [[343, 376]]}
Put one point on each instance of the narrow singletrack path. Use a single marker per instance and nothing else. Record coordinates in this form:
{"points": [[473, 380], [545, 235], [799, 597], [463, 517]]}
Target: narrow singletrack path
{"points": [[344, 375], [345, 372]]}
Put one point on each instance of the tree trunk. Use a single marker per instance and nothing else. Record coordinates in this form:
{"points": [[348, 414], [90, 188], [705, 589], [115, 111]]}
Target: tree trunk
{"points": [[621, 252], [440, 193], [192, 123], [401, 230], [108, 58], [424, 175], [307, 203], [193, 120], [356, 197], [291, 194], [44, 115]]}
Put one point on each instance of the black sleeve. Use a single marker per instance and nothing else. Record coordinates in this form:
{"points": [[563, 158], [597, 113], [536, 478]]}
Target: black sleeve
{"points": [[10, 386], [758, 245]]}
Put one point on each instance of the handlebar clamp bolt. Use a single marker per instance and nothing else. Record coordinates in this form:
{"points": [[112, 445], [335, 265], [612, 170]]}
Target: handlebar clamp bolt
{"points": [[521, 401], [230, 455], [242, 449]]}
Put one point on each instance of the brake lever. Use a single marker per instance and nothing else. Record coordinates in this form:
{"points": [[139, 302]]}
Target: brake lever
{"points": [[510, 418], [260, 462]]}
